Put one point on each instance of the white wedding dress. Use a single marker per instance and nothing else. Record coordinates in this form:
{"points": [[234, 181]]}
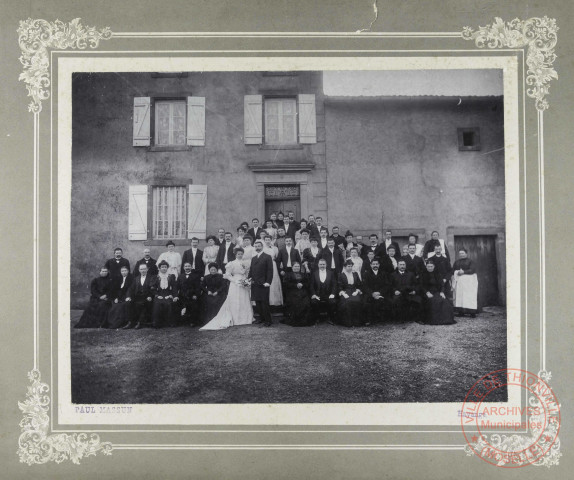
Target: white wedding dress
{"points": [[236, 310]]}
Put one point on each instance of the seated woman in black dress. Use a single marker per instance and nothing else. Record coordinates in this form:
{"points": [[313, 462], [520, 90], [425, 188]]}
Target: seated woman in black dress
{"points": [[119, 311], [350, 311], [214, 288], [296, 290], [164, 285], [97, 312], [437, 309]]}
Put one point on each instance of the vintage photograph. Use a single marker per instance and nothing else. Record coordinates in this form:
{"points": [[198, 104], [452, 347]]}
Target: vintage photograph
{"points": [[287, 236]]}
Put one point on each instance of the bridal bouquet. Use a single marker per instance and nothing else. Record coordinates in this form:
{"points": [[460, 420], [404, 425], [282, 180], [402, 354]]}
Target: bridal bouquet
{"points": [[245, 283]]}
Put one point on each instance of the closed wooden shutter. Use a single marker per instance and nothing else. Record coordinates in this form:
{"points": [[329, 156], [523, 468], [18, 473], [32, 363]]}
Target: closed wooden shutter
{"points": [[253, 119], [196, 121], [138, 199], [141, 136], [307, 120], [197, 211]]}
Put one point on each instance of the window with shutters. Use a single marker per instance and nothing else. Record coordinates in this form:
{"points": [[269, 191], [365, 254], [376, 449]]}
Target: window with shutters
{"points": [[280, 121], [169, 213], [170, 123], [165, 124]]}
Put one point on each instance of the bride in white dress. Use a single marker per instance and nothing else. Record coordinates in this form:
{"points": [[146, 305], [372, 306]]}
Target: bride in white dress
{"points": [[236, 310]]}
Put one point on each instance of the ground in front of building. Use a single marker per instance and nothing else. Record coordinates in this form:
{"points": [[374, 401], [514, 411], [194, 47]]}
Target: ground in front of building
{"points": [[390, 362]]}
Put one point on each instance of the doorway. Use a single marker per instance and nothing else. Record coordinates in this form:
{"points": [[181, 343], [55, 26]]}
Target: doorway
{"points": [[282, 198], [482, 251]]}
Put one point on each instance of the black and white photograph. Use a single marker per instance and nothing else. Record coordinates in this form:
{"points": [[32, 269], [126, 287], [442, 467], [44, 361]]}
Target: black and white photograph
{"points": [[287, 237]]}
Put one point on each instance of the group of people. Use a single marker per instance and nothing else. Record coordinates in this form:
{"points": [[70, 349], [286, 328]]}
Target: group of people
{"points": [[297, 266]]}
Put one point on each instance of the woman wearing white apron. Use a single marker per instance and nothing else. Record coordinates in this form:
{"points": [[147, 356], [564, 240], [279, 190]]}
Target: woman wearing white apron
{"points": [[465, 285]]}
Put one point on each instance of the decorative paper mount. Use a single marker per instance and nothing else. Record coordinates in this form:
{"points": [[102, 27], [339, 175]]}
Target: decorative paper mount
{"points": [[518, 443], [36, 37], [37, 445]]}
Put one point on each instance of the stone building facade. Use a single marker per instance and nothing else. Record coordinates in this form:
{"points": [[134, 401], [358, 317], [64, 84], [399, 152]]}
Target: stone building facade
{"points": [[170, 156]]}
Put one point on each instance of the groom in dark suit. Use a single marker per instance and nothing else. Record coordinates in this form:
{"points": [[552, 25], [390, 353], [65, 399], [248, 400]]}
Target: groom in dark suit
{"points": [[261, 276]]}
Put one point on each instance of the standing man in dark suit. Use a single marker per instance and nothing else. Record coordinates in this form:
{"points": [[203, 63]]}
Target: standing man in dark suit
{"points": [[220, 237], [293, 221], [114, 265], [389, 241], [378, 250], [405, 300], [253, 232], [195, 257], [312, 227], [261, 276], [340, 241], [140, 294], [323, 238], [413, 262], [225, 253], [323, 288], [287, 256], [147, 260], [290, 229], [333, 256]]}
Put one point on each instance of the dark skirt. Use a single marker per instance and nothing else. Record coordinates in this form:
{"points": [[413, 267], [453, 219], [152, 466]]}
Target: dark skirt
{"points": [[118, 315], [350, 311], [161, 312], [438, 311], [95, 315], [298, 312], [212, 305]]}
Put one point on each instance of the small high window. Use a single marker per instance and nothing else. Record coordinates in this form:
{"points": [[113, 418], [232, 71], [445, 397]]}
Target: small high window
{"points": [[469, 139]]}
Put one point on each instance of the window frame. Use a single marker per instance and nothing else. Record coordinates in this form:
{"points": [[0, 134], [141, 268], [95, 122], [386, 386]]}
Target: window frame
{"points": [[150, 241], [154, 120], [469, 148], [155, 208], [295, 144]]}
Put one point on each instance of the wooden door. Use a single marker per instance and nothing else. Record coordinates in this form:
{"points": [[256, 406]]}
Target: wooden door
{"points": [[482, 251], [270, 207], [283, 206], [293, 206]]}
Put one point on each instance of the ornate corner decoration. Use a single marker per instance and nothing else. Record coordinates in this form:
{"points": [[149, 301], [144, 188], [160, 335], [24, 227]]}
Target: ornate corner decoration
{"points": [[35, 37], [36, 445], [537, 35], [522, 442]]}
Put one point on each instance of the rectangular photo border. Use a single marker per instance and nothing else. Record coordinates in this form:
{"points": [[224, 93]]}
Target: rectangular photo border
{"points": [[40, 93]]}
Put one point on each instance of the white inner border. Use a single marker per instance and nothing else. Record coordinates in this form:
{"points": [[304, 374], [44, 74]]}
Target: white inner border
{"points": [[280, 414]]}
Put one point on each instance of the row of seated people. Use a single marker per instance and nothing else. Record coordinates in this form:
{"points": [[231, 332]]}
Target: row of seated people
{"points": [[161, 300]]}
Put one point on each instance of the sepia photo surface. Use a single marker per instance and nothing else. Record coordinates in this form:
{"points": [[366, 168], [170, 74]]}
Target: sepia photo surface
{"points": [[383, 155]]}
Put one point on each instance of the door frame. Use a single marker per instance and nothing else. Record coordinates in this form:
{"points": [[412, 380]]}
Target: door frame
{"points": [[283, 174], [499, 245]]}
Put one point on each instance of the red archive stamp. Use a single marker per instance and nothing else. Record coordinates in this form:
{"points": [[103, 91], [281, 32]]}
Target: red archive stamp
{"points": [[511, 436]]}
